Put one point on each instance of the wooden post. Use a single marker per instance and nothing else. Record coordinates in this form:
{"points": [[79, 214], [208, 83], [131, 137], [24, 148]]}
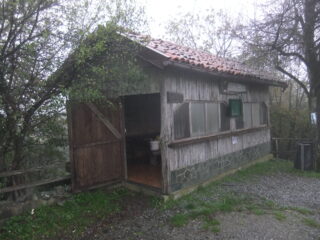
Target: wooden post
{"points": [[164, 138], [277, 148], [71, 148], [123, 141]]}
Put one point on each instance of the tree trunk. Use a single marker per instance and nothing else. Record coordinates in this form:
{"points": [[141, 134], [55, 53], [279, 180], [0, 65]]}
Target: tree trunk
{"points": [[16, 165]]}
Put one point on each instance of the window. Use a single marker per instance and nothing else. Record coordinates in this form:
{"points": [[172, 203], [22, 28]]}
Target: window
{"points": [[255, 114], [263, 114], [181, 121], [224, 117], [204, 118], [212, 118], [247, 112], [198, 126], [196, 119]]}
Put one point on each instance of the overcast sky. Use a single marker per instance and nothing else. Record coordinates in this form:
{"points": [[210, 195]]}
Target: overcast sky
{"points": [[161, 11]]}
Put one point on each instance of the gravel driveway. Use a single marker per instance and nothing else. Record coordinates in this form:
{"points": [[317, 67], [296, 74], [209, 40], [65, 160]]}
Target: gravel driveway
{"points": [[142, 221]]}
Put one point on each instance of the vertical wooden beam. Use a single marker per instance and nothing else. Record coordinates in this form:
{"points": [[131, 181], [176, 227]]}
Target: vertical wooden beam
{"points": [[71, 149], [277, 148], [164, 136], [123, 141]]}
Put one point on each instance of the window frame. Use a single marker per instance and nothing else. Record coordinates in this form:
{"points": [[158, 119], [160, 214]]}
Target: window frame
{"points": [[223, 122], [176, 118], [264, 114], [191, 119], [217, 117]]}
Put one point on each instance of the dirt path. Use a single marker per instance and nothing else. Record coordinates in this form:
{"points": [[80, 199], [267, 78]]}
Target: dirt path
{"points": [[297, 215]]}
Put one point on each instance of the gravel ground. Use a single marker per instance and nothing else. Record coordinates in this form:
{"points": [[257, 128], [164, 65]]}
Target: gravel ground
{"points": [[284, 189], [140, 221]]}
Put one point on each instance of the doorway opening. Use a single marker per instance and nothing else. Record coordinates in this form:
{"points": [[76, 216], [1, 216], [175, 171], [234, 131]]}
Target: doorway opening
{"points": [[142, 128]]}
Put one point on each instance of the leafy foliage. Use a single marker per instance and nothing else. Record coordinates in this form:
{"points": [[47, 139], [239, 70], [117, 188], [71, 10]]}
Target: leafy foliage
{"points": [[290, 124], [108, 65], [47, 46], [287, 35]]}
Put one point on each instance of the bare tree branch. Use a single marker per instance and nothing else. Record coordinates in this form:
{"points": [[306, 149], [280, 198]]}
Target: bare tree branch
{"points": [[299, 82]]}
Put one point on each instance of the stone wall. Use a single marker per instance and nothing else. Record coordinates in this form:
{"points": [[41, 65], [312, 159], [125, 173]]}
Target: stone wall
{"points": [[201, 172]]}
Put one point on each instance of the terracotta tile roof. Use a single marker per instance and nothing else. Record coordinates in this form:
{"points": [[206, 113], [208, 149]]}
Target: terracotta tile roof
{"points": [[201, 59]]}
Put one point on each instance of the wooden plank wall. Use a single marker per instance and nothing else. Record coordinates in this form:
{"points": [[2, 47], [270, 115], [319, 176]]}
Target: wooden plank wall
{"points": [[201, 88]]}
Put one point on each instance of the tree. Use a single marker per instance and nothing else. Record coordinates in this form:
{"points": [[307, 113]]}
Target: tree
{"points": [[212, 31], [289, 35], [36, 36]]}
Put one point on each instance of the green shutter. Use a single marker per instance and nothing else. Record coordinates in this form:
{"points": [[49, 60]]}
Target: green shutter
{"points": [[235, 106]]}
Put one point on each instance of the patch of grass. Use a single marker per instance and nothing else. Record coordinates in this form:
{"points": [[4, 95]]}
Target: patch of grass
{"points": [[267, 168], [215, 229], [179, 220], [190, 206], [212, 224], [270, 204], [285, 166], [203, 209], [169, 204], [304, 211], [227, 203], [264, 168], [261, 207], [74, 216], [311, 222], [257, 210], [279, 216], [156, 202], [300, 173]]}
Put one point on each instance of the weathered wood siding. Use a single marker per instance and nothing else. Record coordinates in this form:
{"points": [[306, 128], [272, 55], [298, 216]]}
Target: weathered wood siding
{"points": [[195, 87]]}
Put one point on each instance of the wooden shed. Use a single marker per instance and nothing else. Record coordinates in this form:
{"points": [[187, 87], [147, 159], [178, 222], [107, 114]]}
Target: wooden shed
{"points": [[209, 114]]}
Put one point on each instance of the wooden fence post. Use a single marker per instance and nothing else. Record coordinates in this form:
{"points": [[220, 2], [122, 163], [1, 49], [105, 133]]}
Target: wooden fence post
{"points": [[277, 148]]}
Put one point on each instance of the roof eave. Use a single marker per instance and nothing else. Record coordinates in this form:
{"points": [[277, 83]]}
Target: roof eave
{"points": [[228, 76]]}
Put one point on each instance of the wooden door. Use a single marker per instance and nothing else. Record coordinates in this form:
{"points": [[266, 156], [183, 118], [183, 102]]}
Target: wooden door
{"points": [[96, 144]]}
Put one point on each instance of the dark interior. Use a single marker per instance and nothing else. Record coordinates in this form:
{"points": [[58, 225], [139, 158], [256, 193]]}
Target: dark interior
{"points": [[142, 124]]}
